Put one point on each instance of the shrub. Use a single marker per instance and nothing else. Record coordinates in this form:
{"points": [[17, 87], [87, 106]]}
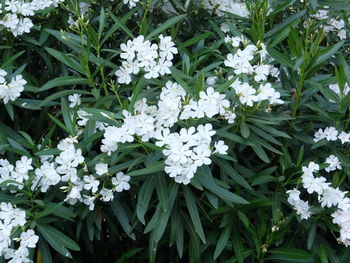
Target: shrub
{"points": [[182, 131]]}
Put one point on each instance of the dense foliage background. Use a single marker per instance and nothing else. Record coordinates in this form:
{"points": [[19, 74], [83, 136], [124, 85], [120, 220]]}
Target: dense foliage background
{"points": [[235, 208]]}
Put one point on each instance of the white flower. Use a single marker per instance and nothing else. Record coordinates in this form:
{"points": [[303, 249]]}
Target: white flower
{"points": [[344, 137], [90, 182], [101, 168], [245, 93], [331, 197], [261, 72], [29, 239], [224, 28], [167, 47], [294, 196], [83, 8], [45, 176], [319, 135], [3, 73], [205, 132], [162, 136], [71, 21], [74, 100], [123, 76], [333, 162], [211, 81], [5, 168], [330, 134], [106, 195], [229, 116], [234, 41], [303, 209], [89, 201], [315, 184], [131, 3], [12, 90], [240, 64], [12, 216], [121, 182], [311, 168], [221, 147]]}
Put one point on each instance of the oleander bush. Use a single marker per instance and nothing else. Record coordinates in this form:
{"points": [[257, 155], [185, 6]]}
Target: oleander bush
{"points": [[174, 131]]}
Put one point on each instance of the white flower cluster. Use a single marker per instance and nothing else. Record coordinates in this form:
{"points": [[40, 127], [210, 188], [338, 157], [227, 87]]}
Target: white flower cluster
{"points": [[18, 12], [332, 24], [139, 54], [332, 134], [219, 7], [328, 196], [64, 169], [257, 90], [10, 219], [185, 150], [12, 90]]}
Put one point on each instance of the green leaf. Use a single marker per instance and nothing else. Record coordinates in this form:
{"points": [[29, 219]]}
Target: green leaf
{"points": [[9, 109], [155, 168], [285, 23], [323, 254], [122, 217], [101, 21], [219, 191], [223, 239], [160, 182], [280, 57], [143, 199], [57, 240], [261, 153], [230, 171], [61, 94], [64, 81], [289, 255], [164, 215], [125, 258], [136, 92], [44, 251], [18, 147], [194, 40], [237, 246], [9, 61], [167, 24], [177, 76], [244, 128], [118, 25], [70, 62], [67, 116], [327, 52], [311, 236], [59, 123], [192, 208]]}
